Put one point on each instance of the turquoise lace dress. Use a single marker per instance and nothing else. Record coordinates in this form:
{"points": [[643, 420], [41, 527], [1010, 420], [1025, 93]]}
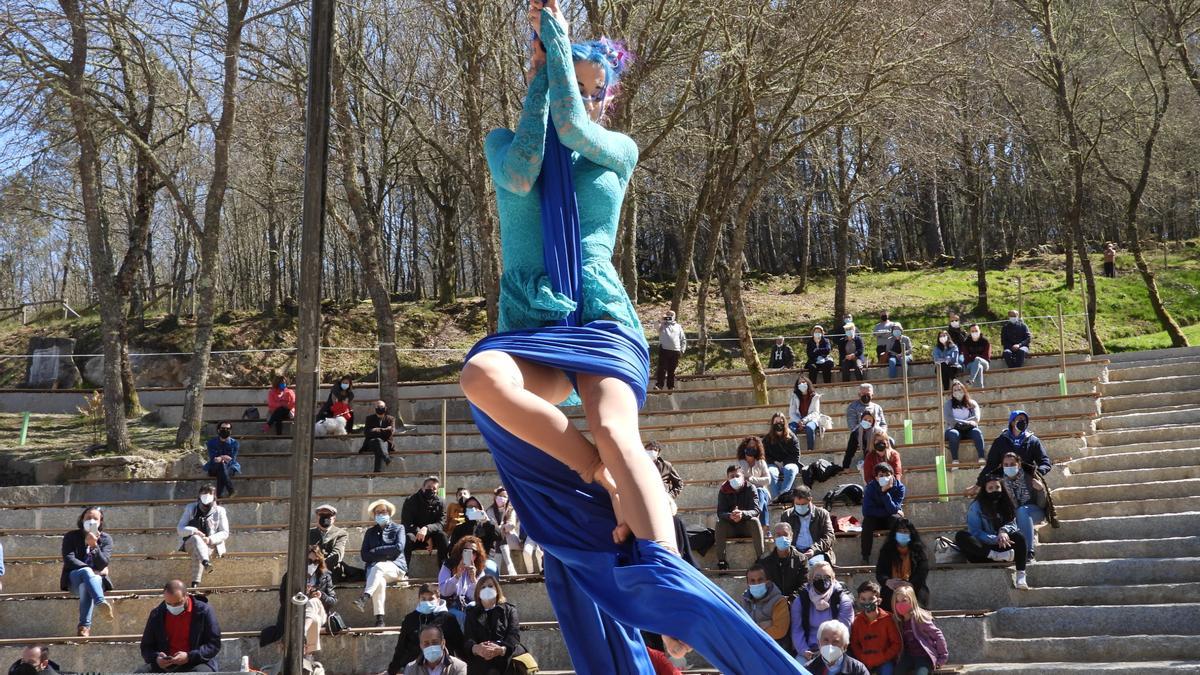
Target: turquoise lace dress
{"points": [[601, 163]]}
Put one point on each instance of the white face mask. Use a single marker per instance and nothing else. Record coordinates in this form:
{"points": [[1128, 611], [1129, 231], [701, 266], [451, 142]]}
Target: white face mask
{"points": [[818, 336], [896, 333], [735, 483], [864, 424], [312, 569], [487, 594], [206, 499], [884, 481], [1014, 319], [474, 513], [943, 339], [176, 610], [803, 388], [831, 653], [91, 525], [954, 324], [975, 335], [958, 395], [850, 332], [652, 454]]}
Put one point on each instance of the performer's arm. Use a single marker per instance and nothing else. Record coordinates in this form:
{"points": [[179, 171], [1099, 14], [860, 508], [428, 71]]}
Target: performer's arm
{"points": [[515, 158]]}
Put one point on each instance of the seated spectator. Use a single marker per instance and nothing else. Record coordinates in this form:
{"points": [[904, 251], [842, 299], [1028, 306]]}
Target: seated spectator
{"points": [[903, 559], [493, 633], [754, 468], [672, 481], [35, 659], [181, 635], [874, 638], [458, 576], [822, 599], [502, 513], [430, 611], [343, 394], [992, 533], [899, 350], [737, 514], [883, 334], [435, 658], [1015, 338], [1030, 495], [281, 405], [1018, 440], [954, 328], [883, 505], [883, 450], [781, 355], [767, 606], [961, 416], [947, 359], [456, 511], [804, 411], [924, 648], [422, 517], [203, 527], [86, 551], [783, 456], [859, 427], [786, 566], [476, 523], [831, 657], [222, 461], [318, 588], [977, 355], [812, 527], [332, 541], [382, 552], [853, 354], [819, 358], [377, 435]]}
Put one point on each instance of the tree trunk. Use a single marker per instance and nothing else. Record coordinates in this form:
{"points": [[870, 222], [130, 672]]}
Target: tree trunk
{"points": [[932, 224], [629, 226], [842, 243], [1178, 339]]}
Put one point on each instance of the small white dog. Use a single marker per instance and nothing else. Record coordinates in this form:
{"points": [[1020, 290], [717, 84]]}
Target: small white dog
{"points": [[330, 426]]}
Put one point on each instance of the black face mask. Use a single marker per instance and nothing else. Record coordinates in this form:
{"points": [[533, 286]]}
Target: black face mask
{"points": [[381, 411], [223, 433], [325, 521], [995, 496], [1022, 424], [428, 492], [822, 584], [869, 606], [865, 398], [881, 446], [778, 426]]}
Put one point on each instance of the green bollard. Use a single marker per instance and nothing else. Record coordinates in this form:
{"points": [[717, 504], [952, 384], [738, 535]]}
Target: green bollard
{"points": [[1062, 384], [908, 432], [939, 463], [24, 428]]}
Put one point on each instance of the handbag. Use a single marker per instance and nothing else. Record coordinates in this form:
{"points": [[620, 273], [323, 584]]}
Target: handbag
{"points": [[946, 552], [524, 664], [337, 625]]}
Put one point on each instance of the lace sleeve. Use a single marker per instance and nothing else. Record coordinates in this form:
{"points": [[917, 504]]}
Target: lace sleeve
{"points": [[515, 158]]}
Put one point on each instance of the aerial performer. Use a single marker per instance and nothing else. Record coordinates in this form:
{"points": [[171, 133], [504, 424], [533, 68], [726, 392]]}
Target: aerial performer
{"points": [[569, 334]]}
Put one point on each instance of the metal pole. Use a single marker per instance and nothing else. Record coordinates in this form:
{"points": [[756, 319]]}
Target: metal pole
{"points": [[908, 431], [308, 343], [1062, 354]]}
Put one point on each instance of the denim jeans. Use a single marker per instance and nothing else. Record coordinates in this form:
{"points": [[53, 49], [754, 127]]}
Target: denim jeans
{"points": [[953, 437], [976, 368], [884, 669], [782, 477], [90, 588], [894, 365], [764, 506], [810, 432], [1028, 517], [913, 665]]}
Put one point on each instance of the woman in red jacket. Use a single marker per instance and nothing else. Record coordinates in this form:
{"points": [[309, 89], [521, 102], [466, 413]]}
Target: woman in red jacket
{"points": [[281, 405]]}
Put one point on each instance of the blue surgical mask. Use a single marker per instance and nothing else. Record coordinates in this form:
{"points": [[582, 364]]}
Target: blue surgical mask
{"points": [[382, 519], [282, 386], [1011, 471], [803, 510], [432, 653], [758, 590], [345, 385], [782, 543], [903, 538], [426, 606], [864, 424]]}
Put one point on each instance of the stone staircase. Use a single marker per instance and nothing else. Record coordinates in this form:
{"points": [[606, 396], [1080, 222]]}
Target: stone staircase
{"points": [[1107, 586]]}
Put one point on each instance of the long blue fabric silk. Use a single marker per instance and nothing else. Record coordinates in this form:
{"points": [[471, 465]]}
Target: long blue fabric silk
{"points": [[602, 592]]}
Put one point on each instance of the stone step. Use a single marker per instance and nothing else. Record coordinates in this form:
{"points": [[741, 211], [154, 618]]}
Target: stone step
{"points": [[1112, 572], [1185, 524], [1120, 404], [1138, 507], [1149, 371], [1178, 414], [1143, 482], [1156, 385], [1097, 619], [1167, 432], [1123, 359], [1096, 648], [1167, 457], [1188, 546], [1063, 668], [1119, 594], [1088, 449]]}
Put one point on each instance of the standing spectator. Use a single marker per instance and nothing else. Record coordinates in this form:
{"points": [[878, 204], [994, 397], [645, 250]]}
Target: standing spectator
{"points": [[430, 611], [281, 405], [203, 527], [477, 524], [804, 411], [754, 468], [961, 416], [831, 657], [992, 533], [1016, 439], [502, 513], [377, 435], [318, 588], [874, 637], [822, 599], [1110, 260], [899, 350], [783, 456], [767, 606], [332, 541], [819, 359], [181, 635], [785, 566], [782, 355], [671, 479], [883, 505], [85, 552], [883, 334], [737, 514], [435, 658], [812, 527], [924, 648], [34, 659], [954, 328], [672, 342], [422, 516], [222, 461], [342, 392], [383, 553], [903, 559], [1030, 495], [853, 354], [1015, 338], [492, 632], [977, 355], [947, 359], [883, 450], [457, 578]]}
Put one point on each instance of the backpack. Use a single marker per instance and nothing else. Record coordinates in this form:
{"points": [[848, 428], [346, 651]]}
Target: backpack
{"points": [[250, 414], [819, 471], [848, 494]]}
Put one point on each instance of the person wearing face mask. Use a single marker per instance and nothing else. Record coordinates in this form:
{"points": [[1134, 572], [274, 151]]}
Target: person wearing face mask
{"points": [[863, 415], [377, 436], [430, 612], [947, 359], [86, 551], [181, 635], [203, 527], [782, 356], [977, 355], [492, 635], [322, 598], [782, 448], [737, 514], [456, 512], [804, 412], [671, 479], [954, 327], [882, 507], [883, 334], [819, 348], [903, 559], [754, 468], [853, 354], [332, 541], [35, 659], [672, 343], [383, 553], [831, 657], [463, 570], [822, 599], [223, 459], [992, 533], [874, 638], [961, 416], [502, 513], [423, 515], [924, 649], [433, 656], [343, 393], [899, 348], [1014, 339], [767, 606], [1031, 496], [1018, 440], [812, 525], [281, 405], [883, 450], [477, 523], [785, 566]]}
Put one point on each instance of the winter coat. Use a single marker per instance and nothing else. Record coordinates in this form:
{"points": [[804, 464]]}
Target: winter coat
{"points": [[745, 499], [806, 618], [787, 574], [932, 642], [782, 356], [74, 555], [848, 346], [217, 521], [871, 458], [280, 398], [1014, 334], [1027, 446], [500, 625], [951, 421], [976, 349], [384, 544], [820, 528], [850, 666], [771, 613], [816, 349], [217, 448], [880, 504], [408, 643], [877, 642], [204, 637], [421, 511], [671, 479], [378, 427], [332, 543], [855, 410], [782, 449]]}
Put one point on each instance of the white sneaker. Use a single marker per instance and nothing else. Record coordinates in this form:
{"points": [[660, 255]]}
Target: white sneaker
{"points": [[1002, 556], [954, 462], [982, 460], [1020, 581]]}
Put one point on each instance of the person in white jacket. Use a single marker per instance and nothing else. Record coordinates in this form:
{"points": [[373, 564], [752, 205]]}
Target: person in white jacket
{"points": [[204, 527], [672, 343], [804, 411]]}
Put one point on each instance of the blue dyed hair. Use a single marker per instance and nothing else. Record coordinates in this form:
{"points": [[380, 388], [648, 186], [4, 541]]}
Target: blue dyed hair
{"points": [[610, 55]]}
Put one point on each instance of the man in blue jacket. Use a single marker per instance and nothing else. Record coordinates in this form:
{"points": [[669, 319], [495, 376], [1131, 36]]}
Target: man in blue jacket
{"points": [[1016, 439], [1015, 338], [181, 635], [883, 505]]}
